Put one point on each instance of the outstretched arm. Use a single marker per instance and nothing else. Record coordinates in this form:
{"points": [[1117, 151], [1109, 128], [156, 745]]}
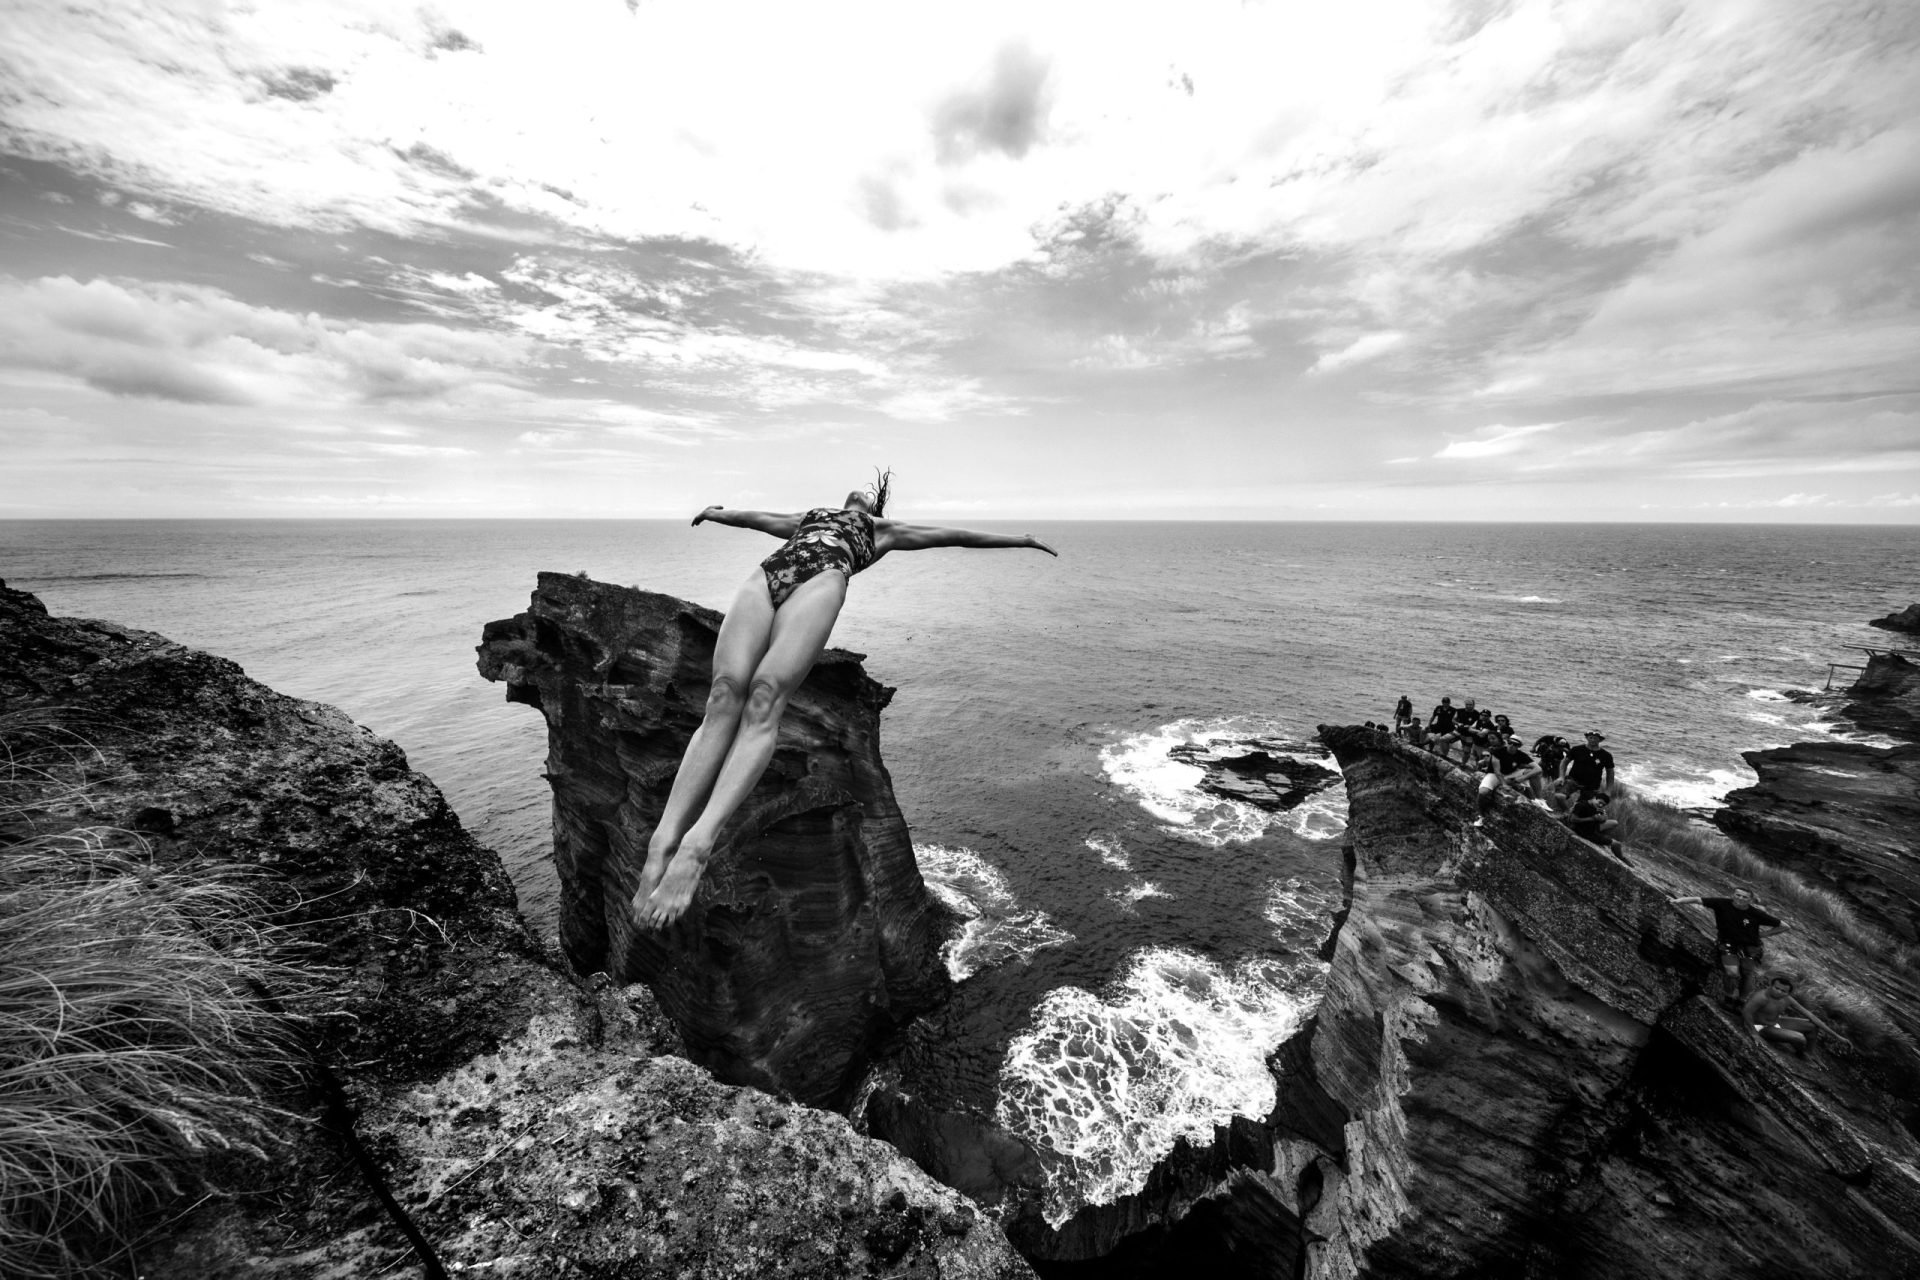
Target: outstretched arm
{"points": [[920, 537], [779, 524]]}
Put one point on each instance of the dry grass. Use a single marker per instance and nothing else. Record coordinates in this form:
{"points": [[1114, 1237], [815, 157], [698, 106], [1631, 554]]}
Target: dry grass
{"points": [[135, 1052], [1656, 824]]}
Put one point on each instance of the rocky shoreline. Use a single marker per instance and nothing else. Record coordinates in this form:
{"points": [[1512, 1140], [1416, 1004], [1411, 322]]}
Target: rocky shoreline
{"points": [[1514, 1071]]}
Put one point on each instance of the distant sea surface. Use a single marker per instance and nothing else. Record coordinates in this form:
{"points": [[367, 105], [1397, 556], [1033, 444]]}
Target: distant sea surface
{"points": [[1144, 945]]}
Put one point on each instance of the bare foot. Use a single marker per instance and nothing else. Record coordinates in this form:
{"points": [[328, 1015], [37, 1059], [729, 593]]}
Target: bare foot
{"points": [[674, 894], [656, 867]]}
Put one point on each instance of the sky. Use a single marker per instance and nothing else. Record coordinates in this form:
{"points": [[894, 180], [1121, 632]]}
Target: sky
{"points": [[1381, 259]]}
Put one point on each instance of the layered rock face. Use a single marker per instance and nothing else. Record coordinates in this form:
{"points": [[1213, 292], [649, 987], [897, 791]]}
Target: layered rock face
{"points": [[528, 1127], [812, 936], [1514, 1073], [1844, 815], [1533, 1085]]}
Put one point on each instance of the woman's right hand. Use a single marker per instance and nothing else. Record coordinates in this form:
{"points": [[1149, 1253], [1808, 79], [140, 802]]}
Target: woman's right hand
{"points": [[707, 514]]}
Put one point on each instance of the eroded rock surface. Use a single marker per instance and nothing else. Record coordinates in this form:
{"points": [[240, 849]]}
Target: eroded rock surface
{"points": [[1844, 815], [1263, 772], [1514, 1072], [527, 1126], [813, 936]]}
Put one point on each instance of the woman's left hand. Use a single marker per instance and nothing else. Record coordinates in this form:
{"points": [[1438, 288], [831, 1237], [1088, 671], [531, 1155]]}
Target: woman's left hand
{"points": [[1038, 545]]}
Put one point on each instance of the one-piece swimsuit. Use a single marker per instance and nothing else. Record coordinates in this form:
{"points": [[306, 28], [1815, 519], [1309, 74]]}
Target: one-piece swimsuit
{"points": [[826, 539]]}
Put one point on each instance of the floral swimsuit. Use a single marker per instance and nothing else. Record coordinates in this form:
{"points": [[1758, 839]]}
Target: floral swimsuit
{"points": [[827, 539]]}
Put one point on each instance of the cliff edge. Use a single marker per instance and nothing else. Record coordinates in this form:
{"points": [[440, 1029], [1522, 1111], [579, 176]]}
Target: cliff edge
{"points": [[812, 937], [527, 1124]]}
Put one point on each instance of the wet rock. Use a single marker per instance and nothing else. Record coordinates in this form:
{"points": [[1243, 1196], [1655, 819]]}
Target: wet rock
{"points": [[1264, 772], [812, 937]]}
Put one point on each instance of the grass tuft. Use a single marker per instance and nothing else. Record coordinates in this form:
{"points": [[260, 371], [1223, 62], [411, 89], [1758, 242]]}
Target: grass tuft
{"points": [[136, 1055]]}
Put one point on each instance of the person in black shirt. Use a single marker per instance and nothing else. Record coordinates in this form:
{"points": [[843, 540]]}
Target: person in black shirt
{"points": [[1588, 819], [1589, 767], [1509, 766], [1739, 925], [1402, 716], [1551, 751]]}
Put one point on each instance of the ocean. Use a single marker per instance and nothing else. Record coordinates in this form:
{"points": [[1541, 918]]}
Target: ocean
{"points": [[1137, 945]]}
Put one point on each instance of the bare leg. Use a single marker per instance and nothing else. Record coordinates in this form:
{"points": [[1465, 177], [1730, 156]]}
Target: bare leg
{"points": [[800, 631], [744, 636]]}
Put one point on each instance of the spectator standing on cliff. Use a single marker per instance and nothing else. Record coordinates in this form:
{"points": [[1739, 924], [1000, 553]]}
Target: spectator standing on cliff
{"points": [[1550, 749], [1739, 925], [1402, 716], [1589, 766], [1769, 1012]]}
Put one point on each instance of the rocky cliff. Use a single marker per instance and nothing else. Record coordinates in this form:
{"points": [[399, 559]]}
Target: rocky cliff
{"points": [[527, 1124], [1844, 815], [1515, 1073], [812, 937]]}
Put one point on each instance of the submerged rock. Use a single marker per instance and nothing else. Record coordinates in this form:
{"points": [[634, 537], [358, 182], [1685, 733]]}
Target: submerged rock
{"points": [[812, 937], [1263, 772]]}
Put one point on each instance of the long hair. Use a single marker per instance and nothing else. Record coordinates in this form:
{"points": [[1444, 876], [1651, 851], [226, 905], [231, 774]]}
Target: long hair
{"points": [[881, 489]]}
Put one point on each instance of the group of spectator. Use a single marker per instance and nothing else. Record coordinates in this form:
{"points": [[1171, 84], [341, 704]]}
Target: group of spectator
{"points": [[1573, 782]]}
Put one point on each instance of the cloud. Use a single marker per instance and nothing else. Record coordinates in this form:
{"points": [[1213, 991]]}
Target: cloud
{"points": [[1007, 114], [195, 344], [1364, 348], [1494, 442]]}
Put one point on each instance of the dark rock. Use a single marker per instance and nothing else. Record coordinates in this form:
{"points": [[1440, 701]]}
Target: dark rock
{"points": [[1261, 772], [813, 936], [1840, 815], [1886, 697], [1534, 1086], [1908, 620], [532, 1127]]}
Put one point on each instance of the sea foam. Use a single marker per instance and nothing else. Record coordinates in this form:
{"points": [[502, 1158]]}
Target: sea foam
{"points": [[1102, 1087], [996, 929], [1169, 789]]}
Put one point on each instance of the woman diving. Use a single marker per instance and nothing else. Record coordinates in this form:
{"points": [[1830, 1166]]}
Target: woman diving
{"points": [[778, 625]]}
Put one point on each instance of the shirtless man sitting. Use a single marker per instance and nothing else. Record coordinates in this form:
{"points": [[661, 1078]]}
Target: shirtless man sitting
{"points": [[1769, 1012]]}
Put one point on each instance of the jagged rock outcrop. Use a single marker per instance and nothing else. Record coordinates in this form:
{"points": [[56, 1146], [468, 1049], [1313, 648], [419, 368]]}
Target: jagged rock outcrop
{"points": [[1844, 815], [1907, 619], [813, 936], [1263, 772], [1534, 1084], [1514, 1073], [528, 1126]]}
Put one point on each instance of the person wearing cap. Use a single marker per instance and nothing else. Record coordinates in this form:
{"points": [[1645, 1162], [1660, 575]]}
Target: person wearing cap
{"points": [[1589, 766]]}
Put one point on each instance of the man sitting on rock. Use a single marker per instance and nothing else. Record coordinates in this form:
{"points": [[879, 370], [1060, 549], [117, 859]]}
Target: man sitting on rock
{"points": [[1509, 766], [1739, 925], [1588, 819], [1769, 1011]]}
